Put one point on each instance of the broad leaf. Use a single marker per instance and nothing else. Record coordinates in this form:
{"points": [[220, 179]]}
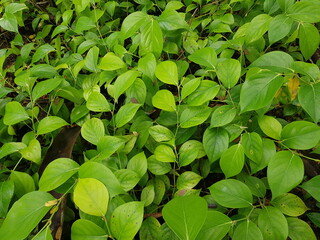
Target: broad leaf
{"points": [[126, 113], [44, 87], [223, 115], [164, 153], [206, 92], [275, 61], [257, 27], [92, 130], [49, 124], [312, 187], [309, 39], [167, 72], [188, 180], [206, 57], [290, 204], [270, 126], [247, 230], [285, 171], [132, 23], [232, 160], [150, 229], [305, 11], [111, 62], [194, 116], [229, 72], [279, 27], [186, 216], [252, 144], [14, 113], [151, 39], [6, 193], [96, 102], [300, 230], [123, 82], [32, 152], [164, 100], [161, 133], [309, 98], [83, 229], [215, 142]]}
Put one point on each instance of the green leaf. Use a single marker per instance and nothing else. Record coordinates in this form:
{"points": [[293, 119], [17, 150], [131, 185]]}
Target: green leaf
{"points": [[32, 152], [273, 224], [49, 124], [138, 163], [43, 71], [252, 144], [164, 100], [59, 29], [137, 91], [171, 20], [280, 27], [215, 142], [309, 39], [15, 7], [151, 39], [123, 82], [96, 102], [216, 226], [91, 60], [164, 153], [270, 126], [206, 92], [309, 98], [259, 90], [231, 193], [258, 26], [150, 229], [147, 195], [268, 150], [232, 160], [290, 204], [312, 187], [78, 112], [126, 113], [276, 61], [127, 178], [256, 185], [300, 135], [91, 196], [247, 230], [111, 62], [6, 194], [103, 174], [157, 167], [300, 230], [41, 52], [44, 87], [14, 113], [132, 23], [126, 220], [56, 173], [186, 215], [161, 133], [11, 147], [229, 72], [167, 72], [190, 87], [188, 180], [285, 171], [194, 116], [84, 24], [83, 229], [26, 213], [9, 22], [306, 11], [107, 145], [92, 130], [23, 183], [206, 57], [223, 115]]}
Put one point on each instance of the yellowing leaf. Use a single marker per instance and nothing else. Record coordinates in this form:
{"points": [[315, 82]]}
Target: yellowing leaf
{"points": [[293, 86]]}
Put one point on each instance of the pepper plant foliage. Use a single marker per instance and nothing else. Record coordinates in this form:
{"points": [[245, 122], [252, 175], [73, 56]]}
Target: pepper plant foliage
{"points": [[199, 119]]}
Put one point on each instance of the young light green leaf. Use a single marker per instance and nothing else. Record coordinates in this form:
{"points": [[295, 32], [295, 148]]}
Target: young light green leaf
{"points": [[206, 92], [300, 135], [164, 100], [312, 187], [194, 116], [268, 150], [285, 171], [205, 56], [147, 195], [161, 133], [26, 213], [91, 196], [132, 23], [164, 153], [223, 115], [151, 39], [309, 39], [44, 87], [186, 215], [92, 130], [309, 98], [126, 220], [83, 24], [290, 204], [167, 72], [128, 178], [157, 167], [171, 20], [300, 230], [111, 62], [49, 124], [107, 145], [14, 113], [272, 224], [32, 152], [188, 180], [216, 226], [138, 163], [43, 71], [215, 142], [56, 173], [229, 72], [83, 229], [190, 87], [258, 26], [232, 160], [11, 147], [96, 102], [270, 126], [41, 52], [259, 90], [23, 183], [9, 22], [137, 91], [126, 113], [231, 193], [247, 230], [123, 82]]}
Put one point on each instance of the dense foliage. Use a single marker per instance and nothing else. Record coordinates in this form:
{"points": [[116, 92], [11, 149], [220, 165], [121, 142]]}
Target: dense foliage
{"points": [[199, 119]]}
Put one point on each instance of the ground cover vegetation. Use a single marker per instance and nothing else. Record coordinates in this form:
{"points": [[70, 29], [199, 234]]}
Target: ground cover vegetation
{"points": [[148, 119]]}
